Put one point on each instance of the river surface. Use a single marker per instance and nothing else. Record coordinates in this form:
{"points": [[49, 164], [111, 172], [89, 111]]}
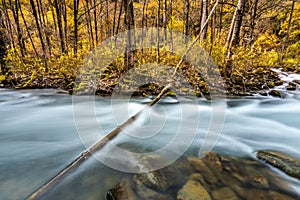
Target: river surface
{"points": [[39, 137]]}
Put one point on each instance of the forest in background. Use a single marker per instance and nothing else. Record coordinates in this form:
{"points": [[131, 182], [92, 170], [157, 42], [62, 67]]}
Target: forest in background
{"points": [[44, 42]]}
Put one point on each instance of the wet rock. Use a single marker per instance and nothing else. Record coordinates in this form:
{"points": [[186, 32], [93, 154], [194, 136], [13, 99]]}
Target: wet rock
{"points": [[260, 181], [285, 163], [292, 86], [271, 84], [225, 170], [61, 92], [266, 195], [212, 177], [127, 190], [199, 178], [122, 191], [193, 190], [161, 184], [224, 193], [240, 191], [261, 177], [263, 93], [277, 196], [278, 82], [297, 82], [256, 194], [277, 183], [233, 173], [164, 178], [275, 93], [201, 167], [146, 193]]}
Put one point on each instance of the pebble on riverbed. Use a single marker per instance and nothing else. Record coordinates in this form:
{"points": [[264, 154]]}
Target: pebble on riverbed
{"points": [[213, 177]]}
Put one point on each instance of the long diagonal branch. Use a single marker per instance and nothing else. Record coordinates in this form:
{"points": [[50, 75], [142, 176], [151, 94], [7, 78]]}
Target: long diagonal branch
{"points": [[101, 143]]}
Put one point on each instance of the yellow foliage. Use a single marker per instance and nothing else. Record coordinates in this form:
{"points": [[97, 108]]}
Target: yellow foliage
{"points": [[2, 78], [267, 42], [265, 51]]}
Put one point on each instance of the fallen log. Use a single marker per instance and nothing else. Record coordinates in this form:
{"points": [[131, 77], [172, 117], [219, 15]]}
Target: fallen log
{"points": [[86, 154]]}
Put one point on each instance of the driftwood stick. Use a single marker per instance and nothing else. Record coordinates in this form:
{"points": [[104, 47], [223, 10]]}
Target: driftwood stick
{"points": [[86, 154], [196, 39], [101, 143]]}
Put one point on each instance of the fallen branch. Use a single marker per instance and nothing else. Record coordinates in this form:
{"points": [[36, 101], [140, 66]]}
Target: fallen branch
{"points": [[86, 154]]}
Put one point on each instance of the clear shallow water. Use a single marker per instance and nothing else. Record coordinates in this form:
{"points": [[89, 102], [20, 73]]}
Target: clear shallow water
{"points": [[38, 136]]}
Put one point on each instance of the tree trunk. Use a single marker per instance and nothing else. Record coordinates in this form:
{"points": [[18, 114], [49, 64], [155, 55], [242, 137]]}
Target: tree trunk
{"points": [[157, 31], [236, 24], [143, 13], [212, 32], [115, 16], [27, 29], [3, 49], [53, 15], [252, 23], [289, 27], [96, 22], [15, 10], [186, 21], [220, 19], [59, 23], [230, 30], [165, 19], [119, 18], [34, 12], [41, 15], [234, 35], [107, 20], [76, 4], [171, 32], [101, 24], [203, 19], [130, 54], [200, 13], [144, 18], [64, 13], [9, 28], [89, 24]]}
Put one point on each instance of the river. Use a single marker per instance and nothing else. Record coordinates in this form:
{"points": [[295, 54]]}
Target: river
{"points": [[39, 137]]}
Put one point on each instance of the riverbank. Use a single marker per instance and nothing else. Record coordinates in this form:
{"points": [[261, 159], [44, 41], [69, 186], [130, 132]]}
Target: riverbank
{"points": [[244, 83]]}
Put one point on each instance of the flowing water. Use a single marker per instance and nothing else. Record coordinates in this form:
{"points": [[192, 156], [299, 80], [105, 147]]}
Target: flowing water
{"points": [[39, 137]]}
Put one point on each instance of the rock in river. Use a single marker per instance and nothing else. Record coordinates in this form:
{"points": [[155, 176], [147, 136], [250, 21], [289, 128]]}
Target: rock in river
{"points": [[285, 163], [214, 177], [193, 190]]}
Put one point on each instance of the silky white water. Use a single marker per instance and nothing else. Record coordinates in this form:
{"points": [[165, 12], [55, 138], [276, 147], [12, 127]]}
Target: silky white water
{"points": [[39, 137]]}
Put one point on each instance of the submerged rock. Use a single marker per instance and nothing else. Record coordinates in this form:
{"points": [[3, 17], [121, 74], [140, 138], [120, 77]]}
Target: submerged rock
{"points": [[266, 195], [203, 169], [193, 190], [123, 191], [213, 177], [145, 192], [165, 178], [224, 193], [285, 163]]}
